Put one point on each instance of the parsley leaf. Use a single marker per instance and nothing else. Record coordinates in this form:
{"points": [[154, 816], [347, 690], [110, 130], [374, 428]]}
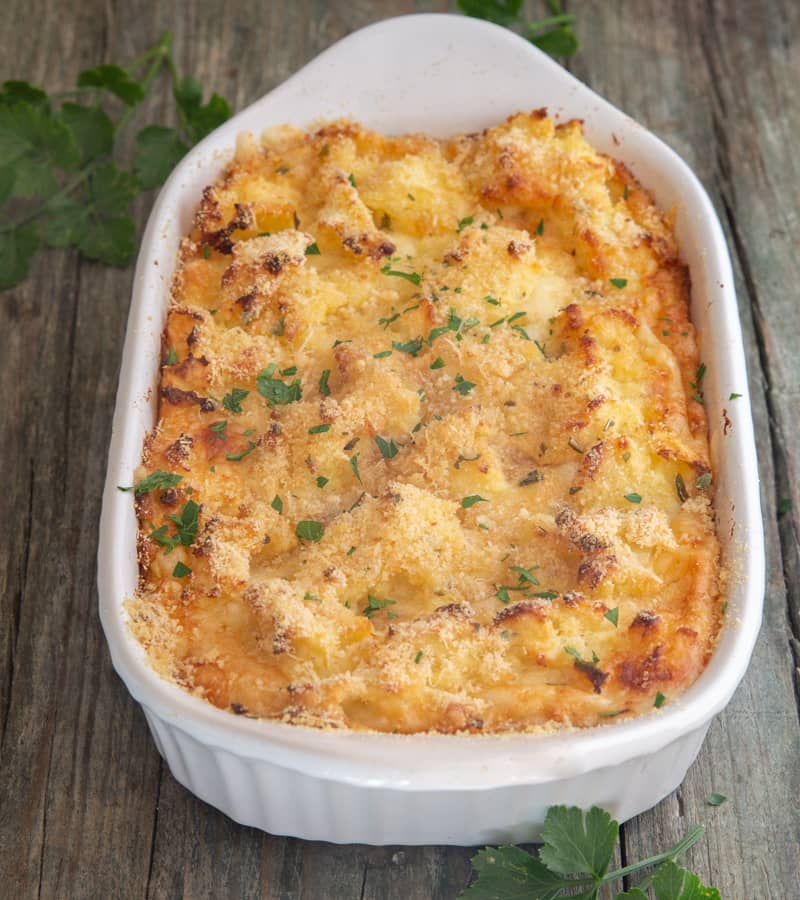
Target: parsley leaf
{"points": [[413, 277], [716, 799], [158, 481], [308, 530], [115, 80], [233, 401], [633, 498], [181, 570], [671, 882], [513, 874], [374, 604], [275, 390], [410, 347], [323, 383], [158, 151], [619, 282], [277, 504], [462, 386], [578, 841], [613, 616], [199, 119], [17, 248], [467, 502], [388, 448], [354, 466], [553, 34]]}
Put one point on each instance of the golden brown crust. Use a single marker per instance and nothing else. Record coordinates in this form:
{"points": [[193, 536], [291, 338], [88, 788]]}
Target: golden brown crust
{"points": [[466, 497]]}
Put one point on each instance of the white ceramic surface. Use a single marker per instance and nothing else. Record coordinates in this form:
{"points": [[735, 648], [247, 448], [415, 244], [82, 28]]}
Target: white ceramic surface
{"points": [[439, 74]]}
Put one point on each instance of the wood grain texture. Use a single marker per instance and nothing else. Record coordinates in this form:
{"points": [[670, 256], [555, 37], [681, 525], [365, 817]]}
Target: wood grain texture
{"points": [[88, 810]]}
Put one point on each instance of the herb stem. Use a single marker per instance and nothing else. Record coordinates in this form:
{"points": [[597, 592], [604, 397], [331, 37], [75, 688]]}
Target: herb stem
{"points": [[64, 192], [162, 54], [670, 855], [550, 22]]}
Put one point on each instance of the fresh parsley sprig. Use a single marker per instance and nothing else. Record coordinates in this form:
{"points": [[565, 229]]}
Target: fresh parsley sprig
{"points": [[576, 851], [553, 33], [62, 183]]}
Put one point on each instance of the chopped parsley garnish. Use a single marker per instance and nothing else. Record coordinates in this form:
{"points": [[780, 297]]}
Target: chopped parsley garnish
{"points": [[467, 502], [220, 429], [374, 604], [438, 363], [784, 506], [181, 570], [388, 448], [411, 347], [680, 487], [533, 477], [418, 657], [545, 595], [235, 457], [233, 401], [185, 522], [493, 300], [696, 384], [308, 530], [462, 223], [351, 551], [172, 357], [541, 349], [517, 315], [323, 383], [292, 370], [619, 282], [320, 429], [462, 386], [277, 504], [659, 701], [157, 481], [716, 799], [382, 355], [309, 596], [281, 170], [275, 390], [413, 277], [734, 396], [312, 249], [497, 322], [633, 498], [386, 321], [525, 575], [206, 252], [322, 481], [704, 481], [540, 227], [613, 616], [354, 466], [352, 180]]}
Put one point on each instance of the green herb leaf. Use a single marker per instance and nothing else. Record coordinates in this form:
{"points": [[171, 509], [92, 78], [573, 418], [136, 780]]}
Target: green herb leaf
{"points": [[509, 873], [633, 498], [320, 429], [540, 227], [382, 355], [501, 12], [619, 282], [462, 223], [275, 390], [704, 481], [462, 386], [115, 80], [413, 277], [322, 481], [410, 347], [525, 575], [181, 570], [374, 604], [308, 530], [352, 180], [354, 466], [716, 799], [784, 506], [158, 151], [16, 251], [312, 250], [199, 119], [438, 363], [659, 700], [323, 383], [277, 504], [671, 882], [65, 222], [171, 358], [578, 841], [467, 502], [91, 128], [235, 457], [233, 401], [388, 448], [560, 42], [734, 396], [418, 657], [613, 616], [158, 481]]}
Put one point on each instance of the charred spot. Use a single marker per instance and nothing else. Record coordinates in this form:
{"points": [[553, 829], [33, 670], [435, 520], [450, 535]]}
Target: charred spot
{"points": [[624, 316], [239, 708], [193, 337], [456, 610], [640, 673], [726, 422], [274, 263], [532, 478], [645, 621], [596, 402], [518, 248], [510, 403], [513, 182], [595, 570], [178, 397], [247, 301], [179, 450], [574, 316], [384, 248], [687, 632], [573, 598], [594, 674], [453, 256], [358, 502], [351, 444], [557, 389], [518, 610], [593, 459], [169, 497], [475, 723], [353, 244]]}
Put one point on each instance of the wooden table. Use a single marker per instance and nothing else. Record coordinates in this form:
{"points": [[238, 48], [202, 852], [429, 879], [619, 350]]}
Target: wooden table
{"points": [[88, 808]]}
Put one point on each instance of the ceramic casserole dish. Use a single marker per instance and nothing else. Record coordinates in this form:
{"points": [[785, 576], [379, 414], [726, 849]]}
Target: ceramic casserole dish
{"points": [[442, 75]]}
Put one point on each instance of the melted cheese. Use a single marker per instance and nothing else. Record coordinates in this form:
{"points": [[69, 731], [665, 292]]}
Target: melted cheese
{"points": [[460, 491]]}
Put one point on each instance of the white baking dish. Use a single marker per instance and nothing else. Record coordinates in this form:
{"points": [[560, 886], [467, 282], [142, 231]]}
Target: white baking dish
{"points": [[440, 74]]}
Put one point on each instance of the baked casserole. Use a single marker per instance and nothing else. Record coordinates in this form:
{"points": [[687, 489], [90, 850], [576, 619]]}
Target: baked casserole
{"points": [[431, 452]]}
